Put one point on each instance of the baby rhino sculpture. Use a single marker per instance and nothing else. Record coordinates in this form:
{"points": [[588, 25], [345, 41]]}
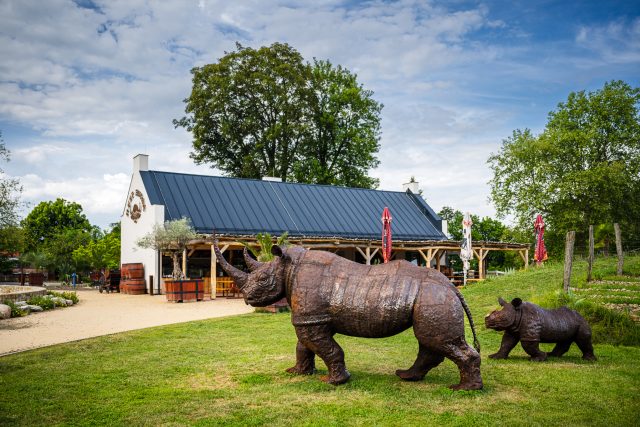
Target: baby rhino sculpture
{"points": [[329, 294], [531, 325]]}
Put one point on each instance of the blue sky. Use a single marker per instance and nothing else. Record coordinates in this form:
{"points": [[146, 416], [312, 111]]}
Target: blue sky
{"points": [[86, 85]]}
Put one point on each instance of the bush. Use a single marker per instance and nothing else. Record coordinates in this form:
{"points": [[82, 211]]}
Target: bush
{"points": [[66, 295], [44, 302], [15, 310]]}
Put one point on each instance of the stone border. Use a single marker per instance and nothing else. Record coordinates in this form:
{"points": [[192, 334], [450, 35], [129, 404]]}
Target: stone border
{"points": [[24, 294]]}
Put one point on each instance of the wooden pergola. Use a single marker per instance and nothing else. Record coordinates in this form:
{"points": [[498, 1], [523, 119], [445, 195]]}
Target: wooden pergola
{"points": [[431, 251]]}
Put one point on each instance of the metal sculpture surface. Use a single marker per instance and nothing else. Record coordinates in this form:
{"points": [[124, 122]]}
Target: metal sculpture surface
{"points": [[329, 294], [530, 324]]}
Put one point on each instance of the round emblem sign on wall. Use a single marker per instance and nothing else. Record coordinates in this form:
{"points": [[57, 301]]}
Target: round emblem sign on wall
{"points": [[136, 205]]}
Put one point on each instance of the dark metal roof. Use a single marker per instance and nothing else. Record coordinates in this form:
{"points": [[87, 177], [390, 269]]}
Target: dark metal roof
{"points": [[234, 206]]}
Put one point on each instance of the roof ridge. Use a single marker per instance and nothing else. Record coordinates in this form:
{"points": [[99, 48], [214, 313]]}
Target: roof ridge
{"points": [[278, 182]]}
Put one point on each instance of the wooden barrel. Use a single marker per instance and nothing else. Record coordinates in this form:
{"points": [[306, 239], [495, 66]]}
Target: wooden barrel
{"points": [[132, 271], [134, 286]]}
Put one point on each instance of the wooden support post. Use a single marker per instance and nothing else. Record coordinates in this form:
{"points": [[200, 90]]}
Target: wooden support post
{"points": [[526, 259], [590, 257], [212, 274], [438, 256], [428, 257], [184, 262], [568, 259], [616, 228]]}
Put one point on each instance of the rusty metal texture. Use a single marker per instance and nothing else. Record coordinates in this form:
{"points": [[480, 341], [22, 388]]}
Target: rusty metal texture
{"points": [[329, 294], [530, 325]]}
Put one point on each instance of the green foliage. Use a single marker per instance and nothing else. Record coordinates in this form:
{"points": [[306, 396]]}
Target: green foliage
{"points": [[266, 112], [66, 295], [10, 190], [16, 311], [343, 136], [103, 252], [485, 229], [265, 243], [38, 260], [172, 236], [583, 169], [50, 224], [44, 302], [11, 243]]}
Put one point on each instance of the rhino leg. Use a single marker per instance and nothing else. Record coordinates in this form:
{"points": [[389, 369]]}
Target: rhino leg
{"points": [[508, 342], [305, 361], [425, 361], [583, 339], [560, 348], [468, 361], [319, 339], [532, 349]]}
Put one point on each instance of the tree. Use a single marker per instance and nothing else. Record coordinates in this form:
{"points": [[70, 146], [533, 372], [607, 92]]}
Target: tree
{"points": [[10, 190], [173, 237], [583, 169], [344, 132], [266, 112], [52, 219], [102, 252]]}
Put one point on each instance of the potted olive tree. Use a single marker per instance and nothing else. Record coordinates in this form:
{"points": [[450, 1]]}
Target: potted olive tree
{"points": [[172, 237]]}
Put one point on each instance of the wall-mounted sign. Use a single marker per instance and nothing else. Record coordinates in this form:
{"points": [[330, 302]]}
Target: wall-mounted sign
{"points": [[136, 205]]}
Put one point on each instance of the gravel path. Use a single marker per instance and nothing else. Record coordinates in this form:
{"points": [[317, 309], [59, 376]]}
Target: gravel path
{"points": [[102, 314]]}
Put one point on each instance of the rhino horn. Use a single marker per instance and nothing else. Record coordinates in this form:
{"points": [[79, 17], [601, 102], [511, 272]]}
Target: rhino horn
{"points": [[252, 264], [238, 276]]}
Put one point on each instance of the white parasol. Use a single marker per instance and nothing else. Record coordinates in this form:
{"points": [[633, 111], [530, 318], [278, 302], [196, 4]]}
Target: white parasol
{"points": [[466, 252]]}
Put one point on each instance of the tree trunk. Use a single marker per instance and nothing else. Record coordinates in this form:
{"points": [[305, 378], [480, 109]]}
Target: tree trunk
{"points": [[568, 259], [616, 228], [177, 272], [590, 259]]}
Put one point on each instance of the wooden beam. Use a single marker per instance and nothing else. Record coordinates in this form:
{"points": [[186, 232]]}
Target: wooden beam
{"points": [[213, 276], [184, 262]]}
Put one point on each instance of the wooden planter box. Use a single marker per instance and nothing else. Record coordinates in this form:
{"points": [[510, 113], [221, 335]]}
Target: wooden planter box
{"points": [[187, 290]]}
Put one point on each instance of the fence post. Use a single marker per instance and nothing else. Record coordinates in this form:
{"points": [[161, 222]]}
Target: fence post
{"points": [[590, 259], [616, 228], [568, 259]]}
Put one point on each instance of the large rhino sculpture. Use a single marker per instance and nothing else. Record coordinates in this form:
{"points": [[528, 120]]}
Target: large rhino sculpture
{"points": [[329, 294]]}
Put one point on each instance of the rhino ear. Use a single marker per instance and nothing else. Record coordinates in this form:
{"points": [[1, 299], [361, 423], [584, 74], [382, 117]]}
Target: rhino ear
{"points": [[516, 302], [276, 251], [501, 301]]}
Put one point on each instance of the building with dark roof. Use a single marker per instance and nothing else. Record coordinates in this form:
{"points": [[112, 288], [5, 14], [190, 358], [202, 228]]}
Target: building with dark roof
{"points": [[344, 220]]}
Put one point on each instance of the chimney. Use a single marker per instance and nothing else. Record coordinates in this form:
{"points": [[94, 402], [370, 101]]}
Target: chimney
{"points": [[141, 163], [414, 187]]}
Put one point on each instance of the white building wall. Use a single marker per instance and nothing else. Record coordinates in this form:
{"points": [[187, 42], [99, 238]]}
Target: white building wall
{"points": [[134, 230]]}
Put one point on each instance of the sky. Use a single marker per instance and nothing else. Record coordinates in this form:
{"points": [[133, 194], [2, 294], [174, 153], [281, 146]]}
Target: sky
{"points": [[86, 85]]}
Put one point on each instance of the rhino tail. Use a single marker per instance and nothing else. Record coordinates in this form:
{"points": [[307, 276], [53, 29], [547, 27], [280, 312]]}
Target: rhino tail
{"points": [[476, 343]]}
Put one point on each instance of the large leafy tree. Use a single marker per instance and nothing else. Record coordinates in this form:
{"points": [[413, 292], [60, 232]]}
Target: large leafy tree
{"points": [[344, 130], [10, 190], [583, 169], [266, 112], [101, 252], [48, 223]]}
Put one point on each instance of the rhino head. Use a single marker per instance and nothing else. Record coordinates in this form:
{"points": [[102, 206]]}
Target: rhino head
{"points": [[501, 320], [265, 282]]}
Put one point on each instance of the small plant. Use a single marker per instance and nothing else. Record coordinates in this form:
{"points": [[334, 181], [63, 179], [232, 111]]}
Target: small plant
{"points": [[44, 302], [16, 311], [70, 295]]}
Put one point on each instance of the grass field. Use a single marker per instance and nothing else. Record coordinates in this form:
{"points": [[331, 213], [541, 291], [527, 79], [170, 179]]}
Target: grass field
{"points": [[231, 372]]}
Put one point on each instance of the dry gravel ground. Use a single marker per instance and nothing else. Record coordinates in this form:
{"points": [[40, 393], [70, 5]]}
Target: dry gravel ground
{"points": [[101, 314]]}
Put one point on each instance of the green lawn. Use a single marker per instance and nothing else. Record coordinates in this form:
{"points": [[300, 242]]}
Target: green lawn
{"points": [[231, 372]]}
